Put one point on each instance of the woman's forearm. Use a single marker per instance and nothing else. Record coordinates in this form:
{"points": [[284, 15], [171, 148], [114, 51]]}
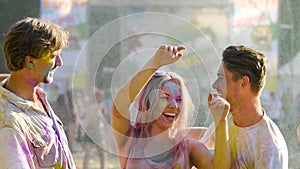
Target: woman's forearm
{"points": [[132, 88], [222, 154]]}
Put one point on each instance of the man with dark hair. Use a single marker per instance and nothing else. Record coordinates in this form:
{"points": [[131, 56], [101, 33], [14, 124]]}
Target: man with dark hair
{"points": [[255, 140], [31, 134]]}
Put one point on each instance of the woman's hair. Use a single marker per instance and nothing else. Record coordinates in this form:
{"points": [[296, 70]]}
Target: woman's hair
{"points": [[149, 105], [244, 61], [32, 37]]}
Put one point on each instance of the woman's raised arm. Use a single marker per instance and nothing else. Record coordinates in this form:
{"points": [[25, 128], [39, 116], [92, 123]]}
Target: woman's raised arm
{"points": [[120, 120]]}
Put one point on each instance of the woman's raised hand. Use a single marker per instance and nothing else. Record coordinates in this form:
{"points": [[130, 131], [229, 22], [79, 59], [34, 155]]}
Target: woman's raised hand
{"points": [[218, 106], [167, 54]]}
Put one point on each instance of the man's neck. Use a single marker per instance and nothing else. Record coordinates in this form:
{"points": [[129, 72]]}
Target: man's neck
{"points": [[20, 86], [247, 113]]}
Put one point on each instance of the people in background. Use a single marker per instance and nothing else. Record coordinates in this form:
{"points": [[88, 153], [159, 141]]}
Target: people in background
{"points": [[274, 108]]}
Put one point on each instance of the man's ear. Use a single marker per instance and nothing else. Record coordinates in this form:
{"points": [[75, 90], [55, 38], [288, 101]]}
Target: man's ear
{"points": [[29, 61], [245, 81]]}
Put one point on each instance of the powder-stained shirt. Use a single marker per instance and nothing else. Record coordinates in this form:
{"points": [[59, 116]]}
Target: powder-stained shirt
{"points": [[176, 157], [31, 138], [260, 146]]}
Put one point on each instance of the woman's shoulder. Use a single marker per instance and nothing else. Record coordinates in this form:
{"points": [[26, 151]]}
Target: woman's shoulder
{"points": [[194, 144], [198, 153]]}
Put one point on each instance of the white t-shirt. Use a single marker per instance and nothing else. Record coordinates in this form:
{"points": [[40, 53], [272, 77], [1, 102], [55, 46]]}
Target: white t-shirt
{"points": [[260, 146]]}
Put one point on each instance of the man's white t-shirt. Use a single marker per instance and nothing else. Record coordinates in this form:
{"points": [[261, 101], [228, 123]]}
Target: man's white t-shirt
{"points": [[260, 146]]}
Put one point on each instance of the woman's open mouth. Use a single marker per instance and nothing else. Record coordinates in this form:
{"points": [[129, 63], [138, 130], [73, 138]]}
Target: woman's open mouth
{"points": [[169, 115]]}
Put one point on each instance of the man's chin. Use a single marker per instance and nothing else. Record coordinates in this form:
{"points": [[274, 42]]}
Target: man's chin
{"points": [[48, 80]]}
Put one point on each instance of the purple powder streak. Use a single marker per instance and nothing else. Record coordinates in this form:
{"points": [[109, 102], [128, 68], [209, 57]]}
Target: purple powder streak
{"points": [[25, 149]]}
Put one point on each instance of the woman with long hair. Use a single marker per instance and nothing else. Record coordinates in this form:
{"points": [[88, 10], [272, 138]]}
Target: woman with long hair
{"points": [[157, 139]]}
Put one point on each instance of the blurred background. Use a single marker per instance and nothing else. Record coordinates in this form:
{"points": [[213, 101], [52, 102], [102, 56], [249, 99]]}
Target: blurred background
{"points": [[111, 39]]}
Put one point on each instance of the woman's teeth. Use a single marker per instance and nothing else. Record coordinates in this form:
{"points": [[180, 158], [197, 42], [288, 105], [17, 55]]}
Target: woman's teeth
{"points": [[170, 114]]}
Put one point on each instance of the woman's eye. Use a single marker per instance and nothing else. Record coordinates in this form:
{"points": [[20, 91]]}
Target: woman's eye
{"points": [[178, 99]]}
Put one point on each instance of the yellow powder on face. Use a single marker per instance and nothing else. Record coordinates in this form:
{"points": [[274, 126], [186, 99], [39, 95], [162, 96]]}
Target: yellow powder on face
{"points": [[47, 57]]}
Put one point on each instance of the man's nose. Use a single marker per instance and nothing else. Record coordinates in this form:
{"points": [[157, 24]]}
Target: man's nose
{"points": [[214, 85]]}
